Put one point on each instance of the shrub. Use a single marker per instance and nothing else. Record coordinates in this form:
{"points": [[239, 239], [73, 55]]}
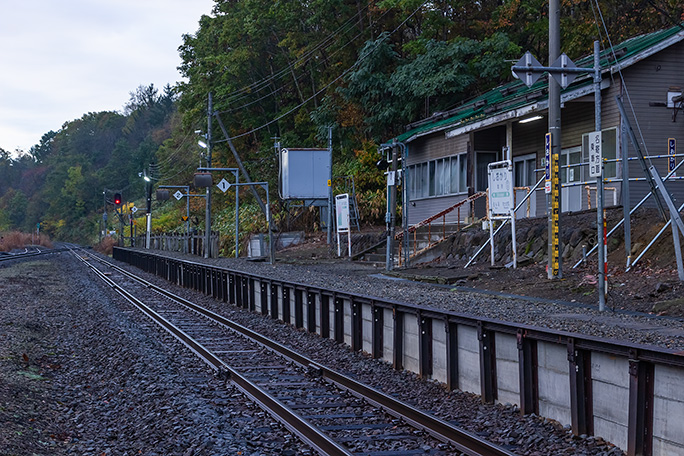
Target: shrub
{"points": [[16, 240], [105, 245]]}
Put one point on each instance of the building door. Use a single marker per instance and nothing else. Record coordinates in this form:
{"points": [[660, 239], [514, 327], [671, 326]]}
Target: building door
{"points": [[524, 176], [482, 179], [571, 172], [481, 176]]}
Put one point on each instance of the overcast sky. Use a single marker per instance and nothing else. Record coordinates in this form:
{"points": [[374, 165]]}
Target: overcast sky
{"points": [[62, 59]]}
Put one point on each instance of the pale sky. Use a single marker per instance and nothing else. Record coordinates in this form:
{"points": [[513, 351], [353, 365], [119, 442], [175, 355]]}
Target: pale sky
{"points": [[60, 59]]}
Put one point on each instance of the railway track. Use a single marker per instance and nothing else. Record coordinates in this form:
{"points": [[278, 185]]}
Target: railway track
{"points": [[332, 413], [28, 253]]}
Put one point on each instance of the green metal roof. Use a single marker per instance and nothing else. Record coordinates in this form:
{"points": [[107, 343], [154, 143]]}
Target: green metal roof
{"points": [[515, 94]]}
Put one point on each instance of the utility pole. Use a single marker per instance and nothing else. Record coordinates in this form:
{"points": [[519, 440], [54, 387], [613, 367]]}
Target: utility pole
{"points": [[391, 208], [243, 171], [330, 190], [555, 270], [207, 220], [601, 238], [148, 191]]}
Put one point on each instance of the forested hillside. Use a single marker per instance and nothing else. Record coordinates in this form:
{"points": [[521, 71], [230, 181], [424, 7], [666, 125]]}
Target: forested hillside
{"points": [[59, 182], [289, 70]]}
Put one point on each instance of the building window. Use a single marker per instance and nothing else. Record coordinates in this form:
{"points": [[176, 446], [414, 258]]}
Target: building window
{"points": [[523, 170], [444, 176]]}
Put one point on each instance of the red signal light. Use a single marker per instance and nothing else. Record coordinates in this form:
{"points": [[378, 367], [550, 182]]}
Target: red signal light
{"points": [[117, 199]]}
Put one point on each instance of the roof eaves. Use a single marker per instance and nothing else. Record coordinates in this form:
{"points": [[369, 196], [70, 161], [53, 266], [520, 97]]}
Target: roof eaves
{"points": [[647, 52]]}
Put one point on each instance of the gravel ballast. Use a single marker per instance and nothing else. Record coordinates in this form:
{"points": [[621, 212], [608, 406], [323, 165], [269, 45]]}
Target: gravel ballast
{"points": [[79, 377], [91, 384]]}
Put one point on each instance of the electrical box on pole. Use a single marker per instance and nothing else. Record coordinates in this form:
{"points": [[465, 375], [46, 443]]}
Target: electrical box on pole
{"points": [[304, 173]]}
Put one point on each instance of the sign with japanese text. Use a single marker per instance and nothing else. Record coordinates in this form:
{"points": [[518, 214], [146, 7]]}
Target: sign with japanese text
{"points": [[500, 189], [595, 154], [547, 162]]}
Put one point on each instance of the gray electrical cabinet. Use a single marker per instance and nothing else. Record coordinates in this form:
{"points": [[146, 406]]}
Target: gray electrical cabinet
{"points": [[305, 173]]}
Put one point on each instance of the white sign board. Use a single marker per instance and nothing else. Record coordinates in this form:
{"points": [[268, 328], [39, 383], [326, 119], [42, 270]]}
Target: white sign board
{"points": [[501, 205], [595, 154], [223, 185], [342, 212], [500, 189], [178, 195], [342, 218], [134, 210]]}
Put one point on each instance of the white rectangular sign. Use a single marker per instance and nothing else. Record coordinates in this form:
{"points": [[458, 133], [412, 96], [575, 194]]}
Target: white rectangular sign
{"points": [[595, 154], [342, 212], [500, 189]]}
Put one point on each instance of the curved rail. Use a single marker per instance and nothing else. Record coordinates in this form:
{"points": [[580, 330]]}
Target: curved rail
{"points": [[5, 256], [460, 439]]}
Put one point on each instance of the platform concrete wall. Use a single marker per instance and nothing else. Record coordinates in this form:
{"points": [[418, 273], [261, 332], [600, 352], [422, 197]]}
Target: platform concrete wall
{"points": [[387, 335], [305, 309], [468, 360], [346, 306], [280, 304], [610, 387], [411, 346], [319, 313], [668, 411], [554, 384], [331, 318], [507, 377], [367, 328], [439, 350]]}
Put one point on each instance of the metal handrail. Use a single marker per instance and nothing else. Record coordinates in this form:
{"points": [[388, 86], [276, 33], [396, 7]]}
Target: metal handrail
{"points": [[443, 213], [483, 246]]}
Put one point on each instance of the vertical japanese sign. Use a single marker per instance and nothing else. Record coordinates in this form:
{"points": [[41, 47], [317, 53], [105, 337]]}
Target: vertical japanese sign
{"points": [[671, 151], [547, 162], [595, 154]]}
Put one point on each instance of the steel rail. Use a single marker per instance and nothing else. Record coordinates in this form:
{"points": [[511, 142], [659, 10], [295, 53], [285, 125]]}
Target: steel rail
{"points": [[306, 432], [19, 256], [460, 439]]}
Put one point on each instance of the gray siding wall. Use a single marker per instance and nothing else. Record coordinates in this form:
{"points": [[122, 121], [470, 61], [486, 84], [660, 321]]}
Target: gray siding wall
{"points": [[648, 81], [435, 146]]}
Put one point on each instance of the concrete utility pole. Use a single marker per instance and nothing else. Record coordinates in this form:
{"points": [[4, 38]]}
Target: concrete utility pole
{"points": [[603, 266], [330, 191], [207, 221], [555, 269], [391, 208]]}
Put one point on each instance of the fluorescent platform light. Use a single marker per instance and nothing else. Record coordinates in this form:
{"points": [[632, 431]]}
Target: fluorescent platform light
{"points": [[531, 119]]}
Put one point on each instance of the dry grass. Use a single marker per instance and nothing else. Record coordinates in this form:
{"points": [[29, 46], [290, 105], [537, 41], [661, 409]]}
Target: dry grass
{"points": [[105, 246], [16, 240]]}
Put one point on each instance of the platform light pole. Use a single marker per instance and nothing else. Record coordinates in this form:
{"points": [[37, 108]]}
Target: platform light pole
{"points": [[207, 220], [148, 190]]}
